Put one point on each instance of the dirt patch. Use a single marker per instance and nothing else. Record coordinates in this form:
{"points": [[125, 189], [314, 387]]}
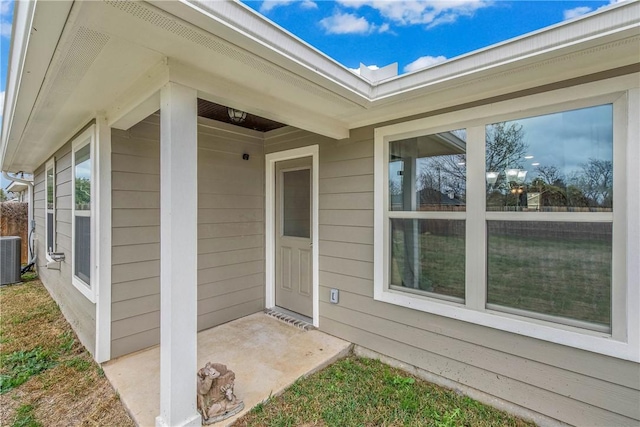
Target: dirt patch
{"points": [[71, 389]]}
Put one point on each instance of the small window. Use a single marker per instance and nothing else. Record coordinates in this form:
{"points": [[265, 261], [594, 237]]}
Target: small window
{"points": [[83, 199], [50, 207], [296, 203]]}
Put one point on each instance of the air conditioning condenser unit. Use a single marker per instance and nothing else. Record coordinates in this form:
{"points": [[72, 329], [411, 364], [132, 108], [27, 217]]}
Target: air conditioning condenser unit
{"points": [[10, 247]]}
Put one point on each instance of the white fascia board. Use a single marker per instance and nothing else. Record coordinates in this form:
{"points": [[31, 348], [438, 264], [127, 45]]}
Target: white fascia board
{"points": [[37, 29], [22, 17], [242, 26]]}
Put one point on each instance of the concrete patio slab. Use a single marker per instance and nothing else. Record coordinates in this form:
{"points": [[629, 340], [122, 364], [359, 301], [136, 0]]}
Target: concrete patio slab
{"points": [[266, 355]]}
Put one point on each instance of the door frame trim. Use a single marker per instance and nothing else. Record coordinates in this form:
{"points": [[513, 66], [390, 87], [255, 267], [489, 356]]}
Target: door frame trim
{"points": [[270, 225]]}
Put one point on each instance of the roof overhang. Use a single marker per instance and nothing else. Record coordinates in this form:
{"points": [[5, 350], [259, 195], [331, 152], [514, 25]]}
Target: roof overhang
{"points": [[73, 61], [17, 187]]}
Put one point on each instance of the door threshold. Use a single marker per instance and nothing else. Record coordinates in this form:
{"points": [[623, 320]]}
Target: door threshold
{"points": [[289, 317]]}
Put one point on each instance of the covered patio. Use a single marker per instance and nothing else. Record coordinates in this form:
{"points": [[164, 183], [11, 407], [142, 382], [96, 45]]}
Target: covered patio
{"points": [[266, 355]]}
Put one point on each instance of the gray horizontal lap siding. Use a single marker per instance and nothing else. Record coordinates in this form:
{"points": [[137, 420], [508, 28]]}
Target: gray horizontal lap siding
{"points": [[230, 231], [574, 386], [77, 309], [230, 225]]}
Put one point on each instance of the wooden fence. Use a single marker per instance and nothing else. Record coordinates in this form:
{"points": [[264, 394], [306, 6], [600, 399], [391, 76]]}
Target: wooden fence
{"points": [[14, 221]]}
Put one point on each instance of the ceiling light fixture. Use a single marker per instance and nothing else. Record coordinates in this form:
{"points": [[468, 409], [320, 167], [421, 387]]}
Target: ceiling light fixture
{"points": [[236, 116]]}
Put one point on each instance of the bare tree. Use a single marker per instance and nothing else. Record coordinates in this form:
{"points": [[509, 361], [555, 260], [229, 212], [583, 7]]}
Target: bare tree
{"points": [[595, 180], [505, 146], [443, 175], [551, 175]]}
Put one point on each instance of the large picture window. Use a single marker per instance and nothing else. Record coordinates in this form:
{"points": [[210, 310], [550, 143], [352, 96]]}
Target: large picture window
{"points": [[512, 220], [83, 212], [50, 208]]}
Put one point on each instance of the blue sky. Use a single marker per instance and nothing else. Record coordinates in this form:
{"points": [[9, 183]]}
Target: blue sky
{"points": [[415, 34], [6, 14]]}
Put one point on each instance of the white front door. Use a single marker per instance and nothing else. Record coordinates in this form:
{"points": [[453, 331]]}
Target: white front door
{"points": [[293, 239]]}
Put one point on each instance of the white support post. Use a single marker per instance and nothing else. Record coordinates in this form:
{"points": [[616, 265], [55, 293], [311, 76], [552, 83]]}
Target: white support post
{"points": [[178, 256], [103, 240]]}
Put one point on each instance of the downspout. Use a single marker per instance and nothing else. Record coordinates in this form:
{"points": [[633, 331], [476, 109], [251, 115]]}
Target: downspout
{"points": [[32, 223]]}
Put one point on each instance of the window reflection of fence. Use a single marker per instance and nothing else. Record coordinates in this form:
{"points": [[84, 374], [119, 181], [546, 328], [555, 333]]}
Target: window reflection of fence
{"points": [[590, 231]]}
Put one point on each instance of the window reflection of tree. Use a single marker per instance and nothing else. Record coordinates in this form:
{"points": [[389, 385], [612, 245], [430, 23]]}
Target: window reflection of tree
{"points": [[589, 186]]}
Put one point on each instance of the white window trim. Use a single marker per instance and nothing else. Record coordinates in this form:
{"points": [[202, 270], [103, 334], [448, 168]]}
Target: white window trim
{"points": [[51, 164], [624, 340], [85, 138]]}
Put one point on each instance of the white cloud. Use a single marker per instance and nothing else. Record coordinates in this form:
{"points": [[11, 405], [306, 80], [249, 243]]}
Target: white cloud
{"points": [[5, 28], [583, 10], [357, 70], [412, 12], [347, 23], [308, 4], [268, 5], [6, 14], [423, 62], [5, 7], [576, 11]]}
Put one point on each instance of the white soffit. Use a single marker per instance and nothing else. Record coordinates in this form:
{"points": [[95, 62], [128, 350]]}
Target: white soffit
{"points": [[243, 27], [210, 64], [89, 69], [26, 70]]}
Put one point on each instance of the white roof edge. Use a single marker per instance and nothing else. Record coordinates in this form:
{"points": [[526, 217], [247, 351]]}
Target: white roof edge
{"points": [[612, 19], [16, 187], [597, 14], [252, 25], [23, 13]]}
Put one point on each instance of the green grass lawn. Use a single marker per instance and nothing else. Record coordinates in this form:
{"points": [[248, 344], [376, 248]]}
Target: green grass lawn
{"points": [[567, 278], [442, 263], [556, 276], [365, 392]]}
